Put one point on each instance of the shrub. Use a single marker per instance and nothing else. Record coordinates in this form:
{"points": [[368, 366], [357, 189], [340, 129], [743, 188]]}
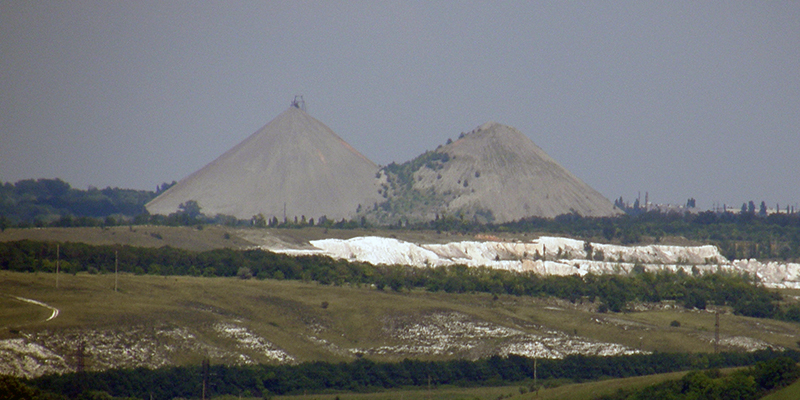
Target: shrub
{"points": [[244, 273]]}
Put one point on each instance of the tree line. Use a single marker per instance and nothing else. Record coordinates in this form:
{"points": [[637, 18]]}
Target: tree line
{"points": [[738, 236], [747, 234], [364, 375], [611, 292], [44, 202], [775, 237]]}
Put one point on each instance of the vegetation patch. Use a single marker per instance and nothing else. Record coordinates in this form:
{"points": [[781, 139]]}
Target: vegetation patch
{"points": [[772, 370], [745, 384]]}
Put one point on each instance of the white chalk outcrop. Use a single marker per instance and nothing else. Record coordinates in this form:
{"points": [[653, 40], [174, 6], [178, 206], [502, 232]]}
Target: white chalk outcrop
{"points": [[553, 256]]}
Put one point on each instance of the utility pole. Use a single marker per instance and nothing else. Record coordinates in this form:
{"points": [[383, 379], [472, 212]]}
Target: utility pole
{"points": [[429, 386], [58, 261], [116, 269], [205, 376], [81, 358], [80, 376], [716, 332]]}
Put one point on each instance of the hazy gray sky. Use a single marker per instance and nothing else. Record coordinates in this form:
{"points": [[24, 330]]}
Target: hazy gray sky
{"points": [[681, 99]]}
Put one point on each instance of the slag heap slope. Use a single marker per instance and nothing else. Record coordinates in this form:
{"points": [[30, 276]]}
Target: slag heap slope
{"points": [[294, 165], [492, 174]]}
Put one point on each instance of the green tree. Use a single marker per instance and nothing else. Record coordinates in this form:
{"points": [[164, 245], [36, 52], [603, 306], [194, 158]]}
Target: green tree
{"points": [[244, 273], [258, 221], [12, 389], [776, 373], [190, 209]]}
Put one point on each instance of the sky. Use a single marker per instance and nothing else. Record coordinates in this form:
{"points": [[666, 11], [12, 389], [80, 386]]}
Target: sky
{"points": [[678, 99]]}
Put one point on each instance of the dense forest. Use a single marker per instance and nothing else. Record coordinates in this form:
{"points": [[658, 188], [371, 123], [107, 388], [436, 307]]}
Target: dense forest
{"points": [[612, 292], [364, 375]]}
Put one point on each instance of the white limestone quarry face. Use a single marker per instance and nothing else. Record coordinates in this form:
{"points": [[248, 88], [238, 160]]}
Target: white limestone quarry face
{"points": [[552, 256], [379, 250], [772, 274]]}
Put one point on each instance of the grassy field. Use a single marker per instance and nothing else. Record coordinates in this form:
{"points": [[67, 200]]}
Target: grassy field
{"points": [[570, 391], [330, 323], [575, 391], [316, 322], [791, 392], [210, 237]]}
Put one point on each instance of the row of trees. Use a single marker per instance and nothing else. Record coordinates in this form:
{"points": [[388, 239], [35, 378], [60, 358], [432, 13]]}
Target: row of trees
{"points": [[52, 202], [776, 237], [364, 375], [612, 292], [738, 236]]}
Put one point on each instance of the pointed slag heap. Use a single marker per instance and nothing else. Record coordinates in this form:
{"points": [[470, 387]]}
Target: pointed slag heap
{"points": [[294, 166], [492, 174]]}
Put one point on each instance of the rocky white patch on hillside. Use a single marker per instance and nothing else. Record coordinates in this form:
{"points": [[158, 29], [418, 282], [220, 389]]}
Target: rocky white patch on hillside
{"points": [[56, 351], [552, 256], [456, 334], [248, 340], [20, 357]]}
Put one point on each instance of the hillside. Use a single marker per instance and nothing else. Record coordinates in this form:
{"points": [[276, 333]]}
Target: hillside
{"points": [[178, 320], [491, 174], [155, 321]]}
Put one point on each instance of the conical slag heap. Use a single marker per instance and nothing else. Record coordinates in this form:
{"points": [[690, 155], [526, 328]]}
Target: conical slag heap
{"points": [[507, 173], [492, 174], [293, 166]]}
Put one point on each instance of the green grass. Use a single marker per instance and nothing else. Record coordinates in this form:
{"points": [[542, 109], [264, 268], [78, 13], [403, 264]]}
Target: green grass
{"points": [[590, 390], [445, 393], [15, 314], [791, 392], [216, 236], [574, 391]]}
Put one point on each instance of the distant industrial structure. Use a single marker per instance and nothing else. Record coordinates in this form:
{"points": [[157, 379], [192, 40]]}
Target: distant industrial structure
{"points": [[638, 207]]}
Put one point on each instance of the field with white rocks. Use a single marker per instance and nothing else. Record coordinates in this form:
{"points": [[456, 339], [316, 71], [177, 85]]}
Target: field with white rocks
{"points": [[155, 321], [551, 256]]}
